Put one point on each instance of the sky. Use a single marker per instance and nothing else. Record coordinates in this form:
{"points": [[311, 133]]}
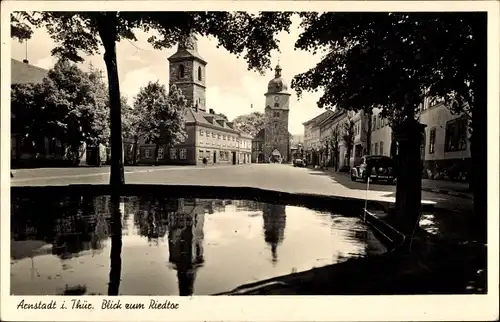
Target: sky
{"points": [[231, 88]]}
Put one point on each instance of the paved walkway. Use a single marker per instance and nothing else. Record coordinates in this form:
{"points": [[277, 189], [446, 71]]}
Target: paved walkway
{"points": [[453, 188]]}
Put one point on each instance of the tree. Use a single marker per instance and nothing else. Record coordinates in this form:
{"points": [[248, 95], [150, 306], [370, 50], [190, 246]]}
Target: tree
{"points": [[250, 123], [222, 115], [161, 115], [348, 133], [393, 61], [368, 132], [75, 104], [27, 107], [69, 105], [334, 140], [84, 32]]}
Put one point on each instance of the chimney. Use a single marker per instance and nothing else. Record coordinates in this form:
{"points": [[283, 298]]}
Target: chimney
{"points": [[26, 61], [211, 111]]}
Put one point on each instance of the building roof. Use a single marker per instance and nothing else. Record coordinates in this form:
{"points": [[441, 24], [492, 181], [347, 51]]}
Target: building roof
{"points": [[213, 121], [331, 117], [316, 120], [187, 49], [277, 84], [24, 73]]}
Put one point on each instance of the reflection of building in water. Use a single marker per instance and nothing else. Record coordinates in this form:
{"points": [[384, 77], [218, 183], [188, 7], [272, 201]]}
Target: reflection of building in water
{"points": [[274, 226], [185, 241]]}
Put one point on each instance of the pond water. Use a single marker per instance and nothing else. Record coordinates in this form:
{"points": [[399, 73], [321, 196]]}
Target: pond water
{"points": [[160, 246]]}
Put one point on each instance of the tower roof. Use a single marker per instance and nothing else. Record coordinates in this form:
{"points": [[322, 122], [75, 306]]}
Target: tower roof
{"points": [[187, 49], [277, 84]]}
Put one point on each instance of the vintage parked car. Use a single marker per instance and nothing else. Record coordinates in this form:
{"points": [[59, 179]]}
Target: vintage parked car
{"points": [[299, 163], [377, 167]]}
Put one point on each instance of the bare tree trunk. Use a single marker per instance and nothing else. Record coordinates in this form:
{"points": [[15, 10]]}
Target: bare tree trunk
{"points": [[116, 246], [134, 150], [157, 147], [409, 182], [369, 134], [107, 23]]}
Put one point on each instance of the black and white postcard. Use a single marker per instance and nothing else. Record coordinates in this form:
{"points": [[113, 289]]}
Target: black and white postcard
{"points": [[249, 160]]}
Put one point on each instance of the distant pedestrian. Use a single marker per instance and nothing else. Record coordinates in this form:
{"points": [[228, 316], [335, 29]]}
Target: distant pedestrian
{"points": [[205, 161]]}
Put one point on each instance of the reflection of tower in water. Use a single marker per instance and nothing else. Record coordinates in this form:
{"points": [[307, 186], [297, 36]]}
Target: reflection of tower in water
{"points": [[185, 241], [274, 227]]}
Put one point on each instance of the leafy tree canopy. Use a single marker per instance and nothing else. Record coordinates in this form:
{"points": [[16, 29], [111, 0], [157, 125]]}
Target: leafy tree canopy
{"points": [[160, 115], [392, 60], [69, 104], [241, 33], [250, 123], [222, 115]]}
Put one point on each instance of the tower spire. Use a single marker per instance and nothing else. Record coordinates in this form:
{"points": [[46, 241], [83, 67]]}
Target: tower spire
{"points": [[25, 60], [277, 70]]}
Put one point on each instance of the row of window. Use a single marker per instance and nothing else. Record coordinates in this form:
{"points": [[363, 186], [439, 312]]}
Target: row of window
{"points": [[174, 154], [276, 113], [245, 144], [455, 136], [377, 148], [379, 122]]}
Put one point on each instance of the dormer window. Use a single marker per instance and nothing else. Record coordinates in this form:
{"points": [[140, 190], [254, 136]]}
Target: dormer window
{"points": [[199, 74], [276, 104], [181, 71]]}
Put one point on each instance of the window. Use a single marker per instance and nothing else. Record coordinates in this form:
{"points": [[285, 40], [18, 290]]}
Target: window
{"points": [[372, 149], [456, 135], [432, 140], [218, 136], [161, 153], [201, 132], [381, 148], [374, 121], [183, 154], [199, 74], [214, 134], [376, 148], [173, 153], [221, 154], [223, 137], [200, 154], [181, 71], [147, 154], [207, 153], [276, 104]]}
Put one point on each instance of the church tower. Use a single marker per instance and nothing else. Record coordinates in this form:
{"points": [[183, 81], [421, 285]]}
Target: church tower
{"points": [[187, 72], [276, 137]]}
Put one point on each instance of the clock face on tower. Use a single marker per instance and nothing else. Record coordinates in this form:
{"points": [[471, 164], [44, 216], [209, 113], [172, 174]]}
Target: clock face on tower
{"points": [[276, 98]]}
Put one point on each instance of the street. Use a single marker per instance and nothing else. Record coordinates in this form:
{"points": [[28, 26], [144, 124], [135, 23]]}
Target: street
{"points": [[279, 177]]}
